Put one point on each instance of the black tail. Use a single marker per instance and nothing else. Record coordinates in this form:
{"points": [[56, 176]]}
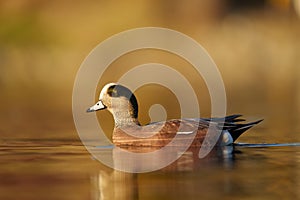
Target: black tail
{"points": [[237, 129], [234, 128]]}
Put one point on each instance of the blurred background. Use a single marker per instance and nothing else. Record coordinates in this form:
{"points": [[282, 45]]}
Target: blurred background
{"points": [[255, 44]]}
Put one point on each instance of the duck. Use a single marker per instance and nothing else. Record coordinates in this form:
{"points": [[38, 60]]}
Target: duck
{"points": [[128, 132]]}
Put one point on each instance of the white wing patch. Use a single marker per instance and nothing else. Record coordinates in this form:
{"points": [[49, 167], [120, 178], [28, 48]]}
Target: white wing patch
{"points": [[185, 132]]}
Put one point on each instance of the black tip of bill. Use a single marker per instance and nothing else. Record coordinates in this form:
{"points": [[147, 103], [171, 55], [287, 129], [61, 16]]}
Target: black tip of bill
{"points": [[89, 110]]}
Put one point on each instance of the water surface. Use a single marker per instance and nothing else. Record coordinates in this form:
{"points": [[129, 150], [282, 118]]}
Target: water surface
{"points": [[44, 169]]}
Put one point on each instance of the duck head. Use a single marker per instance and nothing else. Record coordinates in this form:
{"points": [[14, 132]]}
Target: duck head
{"points": [[120, 102]]}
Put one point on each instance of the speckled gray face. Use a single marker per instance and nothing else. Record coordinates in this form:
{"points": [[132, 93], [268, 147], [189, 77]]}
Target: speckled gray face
{"points": [[117, 91]]}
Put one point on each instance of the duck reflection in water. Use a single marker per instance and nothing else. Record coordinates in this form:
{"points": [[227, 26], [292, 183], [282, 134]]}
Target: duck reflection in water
{"points": [[114, 184]]}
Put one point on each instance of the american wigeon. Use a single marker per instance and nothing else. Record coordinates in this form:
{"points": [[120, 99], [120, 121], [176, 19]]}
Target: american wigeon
{"points": [[123, 105]]}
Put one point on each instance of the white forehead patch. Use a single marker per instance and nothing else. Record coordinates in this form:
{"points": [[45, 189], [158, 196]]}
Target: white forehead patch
{"points": [[104, 89]]}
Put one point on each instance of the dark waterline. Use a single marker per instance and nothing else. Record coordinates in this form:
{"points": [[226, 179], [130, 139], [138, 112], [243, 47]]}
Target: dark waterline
{"points": [[296, 144]]}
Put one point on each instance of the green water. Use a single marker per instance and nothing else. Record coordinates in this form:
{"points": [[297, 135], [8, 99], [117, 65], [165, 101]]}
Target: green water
{"points": [[44, 169]]}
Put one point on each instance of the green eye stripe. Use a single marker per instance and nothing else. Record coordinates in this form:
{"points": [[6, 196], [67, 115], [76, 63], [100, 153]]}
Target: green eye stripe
{"points": [[112, 92]]}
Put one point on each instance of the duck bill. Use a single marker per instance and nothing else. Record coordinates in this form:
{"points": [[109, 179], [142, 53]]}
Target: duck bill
{"points": [[98, 106]]}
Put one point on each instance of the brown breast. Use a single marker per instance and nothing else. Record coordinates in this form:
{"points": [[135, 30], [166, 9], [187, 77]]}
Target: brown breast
{"points": [[187, 132]]}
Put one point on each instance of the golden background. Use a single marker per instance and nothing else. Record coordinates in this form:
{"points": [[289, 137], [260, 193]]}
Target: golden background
{"points": [[43, 43]]}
